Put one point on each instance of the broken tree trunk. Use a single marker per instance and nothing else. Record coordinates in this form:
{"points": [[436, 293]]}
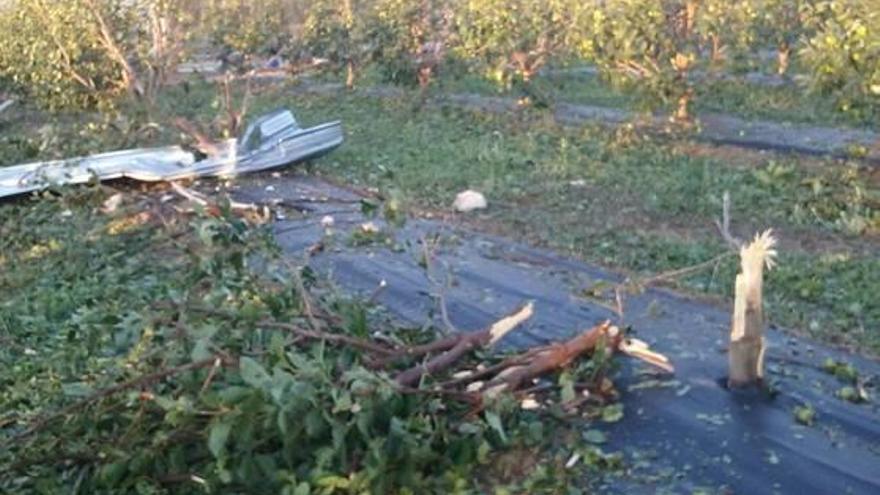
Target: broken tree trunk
{"points": [[746, 353]]}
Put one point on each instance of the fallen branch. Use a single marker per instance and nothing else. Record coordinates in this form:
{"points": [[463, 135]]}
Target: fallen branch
{"points": [[440, 295], [490, 371], [336, 338], [201, 199], [555, 357], [461, 344]]}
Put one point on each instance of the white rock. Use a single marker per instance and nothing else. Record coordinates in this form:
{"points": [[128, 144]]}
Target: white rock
{"points": [[469, 200], [327, 221]]}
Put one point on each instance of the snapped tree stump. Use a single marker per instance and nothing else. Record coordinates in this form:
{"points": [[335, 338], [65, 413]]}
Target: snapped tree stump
{"points": [[746, 352]]}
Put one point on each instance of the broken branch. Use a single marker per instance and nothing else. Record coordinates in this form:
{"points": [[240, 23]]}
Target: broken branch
{"points": [[555, 356], [462, 344], [724, 224]]}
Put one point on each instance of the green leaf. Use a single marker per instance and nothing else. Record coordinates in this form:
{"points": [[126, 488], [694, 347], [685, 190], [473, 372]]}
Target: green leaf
{"points": [[253, 373], [595, 436], [218, 436], [494, 421], [805, 414], [612, 413], [76, 389], [333, 481], [201, 350], [112, 473], [566, 384]]}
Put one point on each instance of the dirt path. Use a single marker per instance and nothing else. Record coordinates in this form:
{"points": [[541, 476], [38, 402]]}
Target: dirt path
{"points": [[681, 433]]}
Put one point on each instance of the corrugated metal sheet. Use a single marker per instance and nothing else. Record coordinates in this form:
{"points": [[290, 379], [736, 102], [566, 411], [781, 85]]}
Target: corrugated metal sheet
{"points": [[273, 140]]}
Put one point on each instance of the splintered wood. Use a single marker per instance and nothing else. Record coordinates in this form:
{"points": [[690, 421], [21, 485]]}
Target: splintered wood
{"points": [[441, 367], [518, 373], [746, 353]]}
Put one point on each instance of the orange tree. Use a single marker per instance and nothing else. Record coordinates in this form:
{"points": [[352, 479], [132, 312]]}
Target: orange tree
{"points": [[339, 31], [510, 41], [243, 29], [781, 22], [649, 47], [842, 54], [88, 53], [412, 38], [725, 28]]}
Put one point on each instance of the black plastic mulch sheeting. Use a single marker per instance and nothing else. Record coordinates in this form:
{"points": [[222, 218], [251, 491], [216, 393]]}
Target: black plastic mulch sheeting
{"points": [[691, 435]]}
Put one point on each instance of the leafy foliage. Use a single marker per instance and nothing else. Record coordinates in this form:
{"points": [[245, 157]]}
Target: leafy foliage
{"points": [[243, 30], [513, 40], [843, 54], [134, 361], [783, 23], [412, 37], [338, 32], [51, 51], [728, 28], [87, 53], [649, 46]]}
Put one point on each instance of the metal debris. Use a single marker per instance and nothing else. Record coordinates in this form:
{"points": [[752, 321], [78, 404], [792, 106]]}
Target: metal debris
{"points": [[273, 140]]}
